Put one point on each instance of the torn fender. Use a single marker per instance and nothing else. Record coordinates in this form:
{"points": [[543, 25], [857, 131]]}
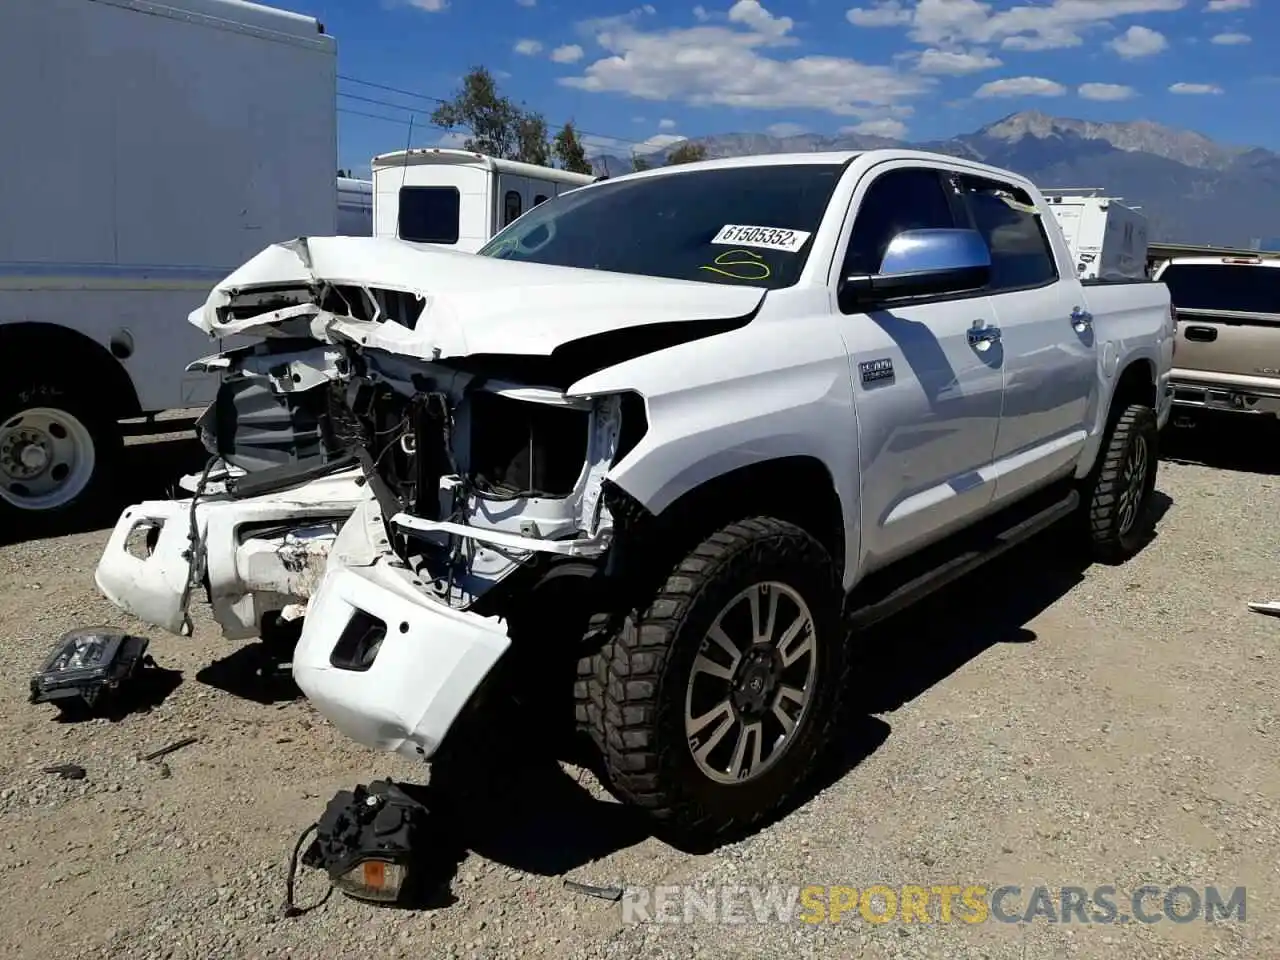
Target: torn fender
{"points": [[460, 304]]}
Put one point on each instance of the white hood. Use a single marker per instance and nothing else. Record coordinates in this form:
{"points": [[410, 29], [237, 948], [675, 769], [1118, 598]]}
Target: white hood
{"points": [[474, 305]]}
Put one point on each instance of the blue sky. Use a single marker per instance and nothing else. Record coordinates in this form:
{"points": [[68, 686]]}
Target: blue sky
{"points": [[633, 76]]}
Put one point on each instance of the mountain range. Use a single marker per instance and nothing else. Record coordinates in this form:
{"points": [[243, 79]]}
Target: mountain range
{"points": [[1191, 188]]}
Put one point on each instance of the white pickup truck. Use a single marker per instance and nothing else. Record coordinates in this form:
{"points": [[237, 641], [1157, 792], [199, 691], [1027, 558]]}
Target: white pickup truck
{"points": [[669, 441]]}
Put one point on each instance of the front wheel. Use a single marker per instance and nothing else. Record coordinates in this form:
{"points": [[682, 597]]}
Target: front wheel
{"points": [[58, 453], [1118, 496], [712, 706]]}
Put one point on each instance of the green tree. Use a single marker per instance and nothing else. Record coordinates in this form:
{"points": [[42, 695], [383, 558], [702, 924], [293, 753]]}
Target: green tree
{"points": [[639, 162], [496, 125], [570, 151], [531, 134], [687, 152]]}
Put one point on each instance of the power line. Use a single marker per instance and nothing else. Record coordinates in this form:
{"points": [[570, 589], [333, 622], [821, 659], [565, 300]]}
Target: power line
{"points": [[418, 111]]}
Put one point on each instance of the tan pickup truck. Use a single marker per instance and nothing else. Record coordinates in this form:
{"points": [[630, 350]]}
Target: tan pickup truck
{"points": [[1227, 349]]}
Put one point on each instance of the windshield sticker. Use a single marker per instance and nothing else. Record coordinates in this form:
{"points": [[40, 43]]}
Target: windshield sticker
{"points": [[767, 238], [739, 265]]}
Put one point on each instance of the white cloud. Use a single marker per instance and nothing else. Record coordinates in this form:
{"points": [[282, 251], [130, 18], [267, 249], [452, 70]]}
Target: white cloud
{"points": [[453, 140], [731, 65], [955, 63], [1194, 89], [569, 53], [784, 130], [431, 6], [890, 14], [665, 124], [893, 129], [1039, 26], [1138, 42], [527, 3], [1226, 6], [530, 48], [700, 14], [1106, 91], [1232, 39], [1020, 87]]}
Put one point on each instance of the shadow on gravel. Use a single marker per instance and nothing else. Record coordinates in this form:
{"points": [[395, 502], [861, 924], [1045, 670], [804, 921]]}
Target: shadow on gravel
{"points": [[148, 471], [255, 672], [1242, 444]]}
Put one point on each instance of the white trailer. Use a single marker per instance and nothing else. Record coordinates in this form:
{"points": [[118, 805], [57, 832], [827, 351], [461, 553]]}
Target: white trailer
{"points": [[355, 207], [1107, 238], [457, 198], [149, 148]]}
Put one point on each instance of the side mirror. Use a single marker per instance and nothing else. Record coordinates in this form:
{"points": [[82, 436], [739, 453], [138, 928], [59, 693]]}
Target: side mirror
{"points": [[925, 263]]}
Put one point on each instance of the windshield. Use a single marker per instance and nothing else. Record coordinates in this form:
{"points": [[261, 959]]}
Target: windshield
{"points": [[1242, 287], [740, 225]]}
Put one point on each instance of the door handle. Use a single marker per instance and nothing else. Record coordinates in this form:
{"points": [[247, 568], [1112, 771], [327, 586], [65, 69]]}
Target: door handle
{"points": [[981, 338], [1081, 319]]}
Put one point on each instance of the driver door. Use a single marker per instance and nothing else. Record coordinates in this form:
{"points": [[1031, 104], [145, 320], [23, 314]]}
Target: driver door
{"points": [[928, 378]]}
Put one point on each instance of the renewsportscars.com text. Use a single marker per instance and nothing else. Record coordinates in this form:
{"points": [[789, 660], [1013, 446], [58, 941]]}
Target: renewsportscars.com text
{"points": [[938, 903]]}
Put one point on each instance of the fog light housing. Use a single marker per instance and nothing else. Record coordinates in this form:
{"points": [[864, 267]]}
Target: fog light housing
{"points": [[370, 840]]}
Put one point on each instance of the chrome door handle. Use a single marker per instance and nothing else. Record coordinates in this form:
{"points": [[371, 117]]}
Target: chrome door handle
{"points": [[981, 338], [1081, 319]]}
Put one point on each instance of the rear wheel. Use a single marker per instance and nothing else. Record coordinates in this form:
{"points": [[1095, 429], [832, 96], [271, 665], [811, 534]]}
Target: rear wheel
{"points": [[712, 707], [58, 453], [1118, 496]]}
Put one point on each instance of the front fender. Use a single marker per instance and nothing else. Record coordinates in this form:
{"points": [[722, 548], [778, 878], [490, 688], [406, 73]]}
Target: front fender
{"points": [[768, 391]]}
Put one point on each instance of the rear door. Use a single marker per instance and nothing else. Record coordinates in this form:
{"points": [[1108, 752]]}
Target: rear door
{"points": [[1228, 321], [1050, 360]]}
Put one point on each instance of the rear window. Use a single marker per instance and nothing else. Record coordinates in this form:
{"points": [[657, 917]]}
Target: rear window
{"points": [[429, 214], [1241, 287]]}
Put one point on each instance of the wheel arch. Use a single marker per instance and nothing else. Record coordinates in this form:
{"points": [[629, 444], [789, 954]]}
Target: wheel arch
{"points": [[798, 489], [77, 357]]}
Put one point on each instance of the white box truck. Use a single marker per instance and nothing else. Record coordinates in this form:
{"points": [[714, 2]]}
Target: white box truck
{"points": [[355, 207], [1107, 238], [149, 148], [457, 198]]}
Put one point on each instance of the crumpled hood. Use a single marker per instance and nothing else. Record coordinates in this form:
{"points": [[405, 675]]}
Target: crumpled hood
{"points": [[473, 305]]}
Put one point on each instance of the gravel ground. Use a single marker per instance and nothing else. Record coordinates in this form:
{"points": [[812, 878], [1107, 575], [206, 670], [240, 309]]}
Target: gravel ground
{"points": [[1034, 725]]}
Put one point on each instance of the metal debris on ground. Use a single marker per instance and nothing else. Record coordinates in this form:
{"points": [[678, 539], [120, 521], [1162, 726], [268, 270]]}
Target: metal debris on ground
{"points": [[87, 664], [165, 751], [67, 771], [602, 893]]}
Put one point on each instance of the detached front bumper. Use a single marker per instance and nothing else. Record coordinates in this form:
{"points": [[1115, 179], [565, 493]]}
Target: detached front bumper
{"points": [[260, 553], [388, 666]]}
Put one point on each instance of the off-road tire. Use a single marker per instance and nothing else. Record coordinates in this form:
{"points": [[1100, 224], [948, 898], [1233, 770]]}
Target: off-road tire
{"points": [[1134, 424], [17, 394], [630, 695]]}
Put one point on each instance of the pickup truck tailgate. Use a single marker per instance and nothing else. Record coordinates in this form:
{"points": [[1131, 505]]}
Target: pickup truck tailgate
{"points": [[1228, 330]]}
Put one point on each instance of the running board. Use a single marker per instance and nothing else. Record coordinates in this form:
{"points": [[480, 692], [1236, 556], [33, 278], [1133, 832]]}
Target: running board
{"points": [[966, 561]]}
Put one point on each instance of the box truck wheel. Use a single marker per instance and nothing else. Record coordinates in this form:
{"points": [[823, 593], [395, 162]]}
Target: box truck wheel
{"points": [[58, 451]]}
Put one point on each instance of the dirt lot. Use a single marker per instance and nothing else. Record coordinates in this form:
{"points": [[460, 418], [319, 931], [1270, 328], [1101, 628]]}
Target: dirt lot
{"points": [[1035, 725]]}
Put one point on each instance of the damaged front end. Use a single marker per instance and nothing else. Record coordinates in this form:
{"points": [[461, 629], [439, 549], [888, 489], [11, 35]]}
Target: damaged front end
{"points": [[489, 520]]}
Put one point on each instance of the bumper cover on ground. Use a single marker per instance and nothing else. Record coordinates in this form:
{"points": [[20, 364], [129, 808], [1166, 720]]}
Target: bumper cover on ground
{"points": [[430, 661]]}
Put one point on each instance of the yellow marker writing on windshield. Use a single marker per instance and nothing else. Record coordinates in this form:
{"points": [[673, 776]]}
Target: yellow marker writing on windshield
{"points": [[740, 269]]}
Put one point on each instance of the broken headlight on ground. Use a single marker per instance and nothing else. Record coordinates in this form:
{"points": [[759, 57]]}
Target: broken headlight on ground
{"points": [[84, 665], [375, 843]]}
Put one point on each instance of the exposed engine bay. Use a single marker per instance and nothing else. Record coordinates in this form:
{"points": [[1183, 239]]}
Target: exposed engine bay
{"points": [[476, 474]]}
